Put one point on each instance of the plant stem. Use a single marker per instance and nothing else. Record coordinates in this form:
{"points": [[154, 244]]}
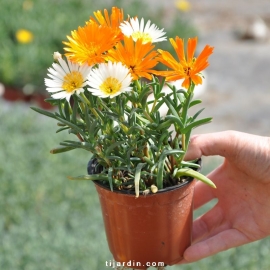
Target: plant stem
{"points": [[84, 98], [154, 105], [138, 86], [148, 116], [80, 137], [184, 142]]}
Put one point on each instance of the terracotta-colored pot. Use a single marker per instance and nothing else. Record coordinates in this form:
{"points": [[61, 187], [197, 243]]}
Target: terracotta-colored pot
{"points": [[14, 94], [149, 230]]}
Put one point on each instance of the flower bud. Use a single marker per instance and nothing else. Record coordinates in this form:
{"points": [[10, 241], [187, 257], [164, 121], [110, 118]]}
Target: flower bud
{"points": [[154, 189], [56, 56]]}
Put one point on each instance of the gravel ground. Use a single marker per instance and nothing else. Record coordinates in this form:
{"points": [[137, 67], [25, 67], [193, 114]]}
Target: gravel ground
{"points": [[238, 80], [238, 89]]}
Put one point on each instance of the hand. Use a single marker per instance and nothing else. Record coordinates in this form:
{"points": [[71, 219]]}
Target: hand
{"points": [[242, 213]]}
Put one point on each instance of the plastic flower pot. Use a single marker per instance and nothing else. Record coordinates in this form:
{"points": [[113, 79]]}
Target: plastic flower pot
{"points": [[151, 229]]}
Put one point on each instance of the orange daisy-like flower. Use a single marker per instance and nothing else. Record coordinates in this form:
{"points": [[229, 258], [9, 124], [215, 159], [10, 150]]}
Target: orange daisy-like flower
{"points": [[138, 57], [113, 21], [88, 44], [187, 68]]}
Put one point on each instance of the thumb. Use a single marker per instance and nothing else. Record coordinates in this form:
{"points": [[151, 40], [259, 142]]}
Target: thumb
{"points": [[218, 143]]}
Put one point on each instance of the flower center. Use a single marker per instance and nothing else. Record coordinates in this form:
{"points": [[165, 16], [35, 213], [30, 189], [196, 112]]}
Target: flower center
{"points": [[144, 36], [189, 67], [187, 70], [72, 81], [93, 49], [111, 86]]}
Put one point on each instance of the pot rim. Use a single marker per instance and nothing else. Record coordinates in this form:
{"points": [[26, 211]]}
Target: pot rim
{"points": [[132, 192], [187, 181]]}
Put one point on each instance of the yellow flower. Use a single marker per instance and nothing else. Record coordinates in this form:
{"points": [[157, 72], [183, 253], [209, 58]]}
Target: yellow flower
{"points": [[137, 56], [183, 5], [187, 68], [27, 5], [90, 43], [24, 36]]}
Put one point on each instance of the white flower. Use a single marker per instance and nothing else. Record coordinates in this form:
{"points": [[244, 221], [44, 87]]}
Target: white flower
{"points": [[67, 78], [109, 80], [136, 29]]}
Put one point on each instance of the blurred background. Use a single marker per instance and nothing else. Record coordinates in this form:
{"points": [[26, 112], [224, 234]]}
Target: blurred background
{"points": [[49, 222]]}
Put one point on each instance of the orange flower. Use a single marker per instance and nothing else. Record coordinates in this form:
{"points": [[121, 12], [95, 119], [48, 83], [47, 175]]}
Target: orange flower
{"points": [[188, 68], [113, 21], [138, 57], [89, 43]]}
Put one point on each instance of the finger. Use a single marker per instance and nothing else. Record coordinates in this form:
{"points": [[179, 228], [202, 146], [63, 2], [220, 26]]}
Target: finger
{"points": [[219, 143], [208, 224], [217, 243]]}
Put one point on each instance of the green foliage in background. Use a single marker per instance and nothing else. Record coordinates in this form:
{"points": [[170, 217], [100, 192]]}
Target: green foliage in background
{"points": [[50, 223], [50, 21]]}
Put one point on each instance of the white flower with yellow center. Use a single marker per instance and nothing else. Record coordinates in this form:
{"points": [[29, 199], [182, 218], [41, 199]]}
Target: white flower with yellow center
{"points": [[148, 33], [109, 80], [66, 78]]}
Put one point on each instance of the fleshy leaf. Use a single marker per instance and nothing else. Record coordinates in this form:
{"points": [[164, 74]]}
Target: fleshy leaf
{"points": [[197, 175], [137, 178]]}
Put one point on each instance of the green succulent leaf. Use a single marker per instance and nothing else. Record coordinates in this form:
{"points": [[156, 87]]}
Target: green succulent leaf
{"points": [[195, 174], [67, 110], [74, 111], [171, 106], [190, 164], [71, 125], [196, 124], [52, 101], [46, 113], [110, 178], [144, 94], [194, 102], [158, 105], [111, 147], [197, 114], [161, 162], [137, 178], [61, 129], [176, 119], [61, 149], [74, 144], [116, 158]]}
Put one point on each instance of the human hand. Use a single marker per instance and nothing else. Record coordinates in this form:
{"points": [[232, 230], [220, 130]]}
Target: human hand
{"points": [[242, 213]]}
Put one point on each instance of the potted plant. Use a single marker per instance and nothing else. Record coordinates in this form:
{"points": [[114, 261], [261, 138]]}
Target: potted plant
{"points": [[110, 96]]}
